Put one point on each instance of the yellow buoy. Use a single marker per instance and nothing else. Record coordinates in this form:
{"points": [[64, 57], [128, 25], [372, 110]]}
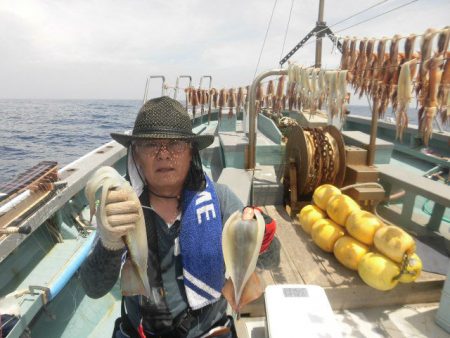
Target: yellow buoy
{"points": [[412, 270], [378, 271], [325, 233], [362, 225], [394, 242], [340, 207], [349, 251], [309, 215], [323, 193]]}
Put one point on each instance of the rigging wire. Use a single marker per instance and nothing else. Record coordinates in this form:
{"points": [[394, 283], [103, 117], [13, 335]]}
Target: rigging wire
{"points": [[363, 21], [360, 12], [265, 38], [287, 29], [376, 16]]}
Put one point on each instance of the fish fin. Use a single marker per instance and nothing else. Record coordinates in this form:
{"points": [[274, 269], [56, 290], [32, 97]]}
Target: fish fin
{"points": [[252, 291], [130, 281], [228, 293]]}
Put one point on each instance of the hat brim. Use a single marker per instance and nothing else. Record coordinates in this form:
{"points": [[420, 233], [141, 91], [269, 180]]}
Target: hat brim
{"points": [[202, 141]]}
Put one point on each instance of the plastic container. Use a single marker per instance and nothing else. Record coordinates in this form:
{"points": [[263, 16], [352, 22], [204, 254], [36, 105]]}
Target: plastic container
{"points": [[443, 313], [299, 311]]}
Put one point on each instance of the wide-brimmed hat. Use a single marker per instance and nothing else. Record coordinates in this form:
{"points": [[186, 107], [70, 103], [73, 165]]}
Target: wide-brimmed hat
{"points": [[165, 118]]}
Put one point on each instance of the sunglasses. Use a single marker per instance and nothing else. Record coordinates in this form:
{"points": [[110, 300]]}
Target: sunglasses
{"points": [[152, 148]]}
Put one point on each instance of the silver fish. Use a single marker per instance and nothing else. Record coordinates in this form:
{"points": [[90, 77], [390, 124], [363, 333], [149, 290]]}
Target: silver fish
{"points": [[134, 278], [241, 243]]}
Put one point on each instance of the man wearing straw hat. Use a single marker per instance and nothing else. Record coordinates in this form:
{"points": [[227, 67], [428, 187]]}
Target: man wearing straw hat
{"points": [[165, 170]]}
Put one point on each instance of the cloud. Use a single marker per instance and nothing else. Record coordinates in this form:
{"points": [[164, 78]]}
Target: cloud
{"points": [[106, 48]]}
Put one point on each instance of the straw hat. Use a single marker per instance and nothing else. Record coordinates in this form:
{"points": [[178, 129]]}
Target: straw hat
{"points": [[163, 118]]}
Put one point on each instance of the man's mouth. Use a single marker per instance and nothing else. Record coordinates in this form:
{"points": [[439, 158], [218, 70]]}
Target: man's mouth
{"points": [[164, 170]]}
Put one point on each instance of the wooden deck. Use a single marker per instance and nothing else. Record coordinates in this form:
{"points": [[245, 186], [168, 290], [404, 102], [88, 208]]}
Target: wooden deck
{"points": [[302, 262]]}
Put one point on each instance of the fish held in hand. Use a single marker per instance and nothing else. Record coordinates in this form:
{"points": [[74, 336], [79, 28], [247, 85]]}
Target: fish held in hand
{"points": [[242, 237], [134, 279]]}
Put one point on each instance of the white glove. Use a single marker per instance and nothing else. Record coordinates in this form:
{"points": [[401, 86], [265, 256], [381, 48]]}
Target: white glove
{"points": [[120, 215]]}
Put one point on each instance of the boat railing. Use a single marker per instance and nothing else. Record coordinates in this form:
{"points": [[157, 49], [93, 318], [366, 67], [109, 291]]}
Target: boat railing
{"points": [[147, 85], [251, 154], [177, 84]]}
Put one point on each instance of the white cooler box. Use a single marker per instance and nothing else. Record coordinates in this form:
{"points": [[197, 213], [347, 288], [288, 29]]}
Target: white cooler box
{"points": [[296, 310]]}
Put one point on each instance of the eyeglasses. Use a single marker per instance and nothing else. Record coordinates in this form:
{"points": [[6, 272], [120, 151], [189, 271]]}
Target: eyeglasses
{"points": [[152, 148]]}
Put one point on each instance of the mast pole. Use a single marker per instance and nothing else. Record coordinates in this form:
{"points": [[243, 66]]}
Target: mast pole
{"points": [[321, 25]]}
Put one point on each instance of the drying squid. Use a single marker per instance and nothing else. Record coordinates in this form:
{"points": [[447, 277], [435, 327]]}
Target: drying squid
{"points": [[134, 278], [269, 94], [422, 87], [222, 100], [444, 92], [353, 55], [435, 74], [368, 70], [195, 100], [360, 65], [404, 95], [259, 97], [331, 79], [375, 88], [279, 94], [240, 99], [345, 53], [214, 94], [341, 93], [231, 101]]}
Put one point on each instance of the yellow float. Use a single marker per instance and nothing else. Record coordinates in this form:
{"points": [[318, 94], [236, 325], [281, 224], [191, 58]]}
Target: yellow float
{"points": [[349, 251], [412, 270], [340, 207], [378, 271], [309, 215], [325, 233], [323, 193], [394, 242], [363, 225]]}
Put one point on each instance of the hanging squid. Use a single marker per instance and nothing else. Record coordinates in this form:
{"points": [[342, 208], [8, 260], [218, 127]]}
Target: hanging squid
{"points": [[422, 87], [279, 94], [434, 77], [231, 101], [222, 100], [240, 99]]}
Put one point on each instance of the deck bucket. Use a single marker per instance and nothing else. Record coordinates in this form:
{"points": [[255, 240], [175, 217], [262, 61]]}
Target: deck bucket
{"points": [[443, 313]]}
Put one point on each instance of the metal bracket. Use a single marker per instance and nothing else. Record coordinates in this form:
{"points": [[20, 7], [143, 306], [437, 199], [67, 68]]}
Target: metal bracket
{"points": [[320, 30], [45, 292]]}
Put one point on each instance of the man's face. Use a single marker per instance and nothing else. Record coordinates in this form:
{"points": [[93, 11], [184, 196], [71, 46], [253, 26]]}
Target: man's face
{"points": [[165, 162]]}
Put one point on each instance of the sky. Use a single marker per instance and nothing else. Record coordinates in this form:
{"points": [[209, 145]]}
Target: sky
{"points": [[106, 49]]}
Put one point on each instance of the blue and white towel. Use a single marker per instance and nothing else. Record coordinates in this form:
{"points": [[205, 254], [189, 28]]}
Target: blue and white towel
{"points": [[201, 246]]}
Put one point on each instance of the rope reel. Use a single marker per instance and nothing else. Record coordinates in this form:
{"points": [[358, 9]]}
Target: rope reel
{"points": [[319, 157]]}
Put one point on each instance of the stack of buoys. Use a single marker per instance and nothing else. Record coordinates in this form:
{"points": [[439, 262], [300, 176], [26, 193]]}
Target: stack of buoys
{"points": [[382, 254]]}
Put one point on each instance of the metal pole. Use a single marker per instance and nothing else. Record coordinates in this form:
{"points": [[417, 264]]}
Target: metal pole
{"points": [[251, 155], [145, 91], [208, 77], [373, 135], [319, 36], [178, 82], [162, 86]]}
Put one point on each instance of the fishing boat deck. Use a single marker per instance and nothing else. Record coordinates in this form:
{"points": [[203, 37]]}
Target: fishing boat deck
{"points": [[300, 261]]}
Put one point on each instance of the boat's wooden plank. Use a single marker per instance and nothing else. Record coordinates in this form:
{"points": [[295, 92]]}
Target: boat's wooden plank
{"points": [[285, 272], [314, 265], [363, 296], [297, 249]]}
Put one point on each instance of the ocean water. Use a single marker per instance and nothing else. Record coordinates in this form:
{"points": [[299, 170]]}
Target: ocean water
{"points": [[63, 130], [58, 130]]}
